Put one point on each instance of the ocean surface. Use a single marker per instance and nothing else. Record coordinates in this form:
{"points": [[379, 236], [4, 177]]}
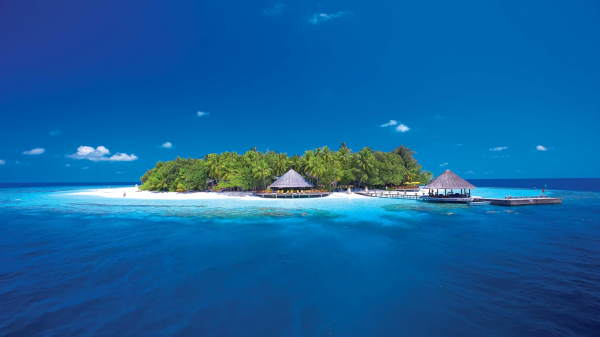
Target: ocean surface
{"points": [[571, 184], [74, 265]]}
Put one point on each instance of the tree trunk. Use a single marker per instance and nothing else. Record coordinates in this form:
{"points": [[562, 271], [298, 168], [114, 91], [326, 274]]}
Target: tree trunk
{"points": [[360, 181], [334, 179]]}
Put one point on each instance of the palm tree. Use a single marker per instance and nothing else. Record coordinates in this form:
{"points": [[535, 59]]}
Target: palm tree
{"points": [[344, 151], [281, 163], [327, 157], [250, 158], [261, 170], [306, 158], [326, 154], [318, 152], [161, 183], [411, 170], [336, 163], [228, 170], [315, 167], [339, 160], [363, 159], [213, 166], [295, 161]]}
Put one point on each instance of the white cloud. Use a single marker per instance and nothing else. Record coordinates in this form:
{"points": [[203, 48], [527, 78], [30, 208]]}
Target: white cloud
{"points": [[2, 162], [390, 123], [499, 148], [167, 145], [402, 128], [444, 164], [273, 11], [38, 150], [541, 148], [119, 172], [470, 172], [322, 17], [68, 165], [100, 154], [55, 133], [438, 117], [85, 168], [202, 113]]}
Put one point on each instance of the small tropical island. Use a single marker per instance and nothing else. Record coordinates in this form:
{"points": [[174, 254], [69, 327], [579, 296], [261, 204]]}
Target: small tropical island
{"points": [[326, 169]]}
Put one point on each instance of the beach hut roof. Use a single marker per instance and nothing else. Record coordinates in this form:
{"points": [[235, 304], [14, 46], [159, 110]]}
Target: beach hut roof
{"points": [[449, 180], [291, 179]]}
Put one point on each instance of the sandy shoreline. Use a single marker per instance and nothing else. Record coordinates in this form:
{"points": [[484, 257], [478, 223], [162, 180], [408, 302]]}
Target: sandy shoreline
{"points": [[133, 193]]}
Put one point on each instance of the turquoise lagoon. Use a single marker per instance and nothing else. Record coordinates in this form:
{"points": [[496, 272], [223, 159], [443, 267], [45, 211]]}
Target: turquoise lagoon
{"points": [[92, 266]]}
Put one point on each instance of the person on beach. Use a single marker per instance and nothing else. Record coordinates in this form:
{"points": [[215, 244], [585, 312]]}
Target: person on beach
{"points": [[124, 195]]}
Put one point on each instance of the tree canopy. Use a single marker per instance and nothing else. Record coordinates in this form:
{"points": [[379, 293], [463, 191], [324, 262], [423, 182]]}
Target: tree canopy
{"points": [[255, 170]]}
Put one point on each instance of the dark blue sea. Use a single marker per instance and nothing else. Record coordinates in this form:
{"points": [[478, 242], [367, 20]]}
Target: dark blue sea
{"points": [[74, 264], [569, 184]]}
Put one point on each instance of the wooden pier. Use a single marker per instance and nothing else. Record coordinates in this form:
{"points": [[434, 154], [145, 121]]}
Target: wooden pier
{"points": [[389, 194], [293, 195], [522, 201], [514, 201]]}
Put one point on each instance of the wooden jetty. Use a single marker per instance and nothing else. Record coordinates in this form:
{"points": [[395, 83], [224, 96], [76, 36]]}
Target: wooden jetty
{"points": [[522, 201], [513, 201], [389, 194], [293, 195], [461, 199]]}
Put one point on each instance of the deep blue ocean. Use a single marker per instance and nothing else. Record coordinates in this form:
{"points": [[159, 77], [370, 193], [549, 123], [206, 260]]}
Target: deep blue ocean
{"points": [[74, 265]]}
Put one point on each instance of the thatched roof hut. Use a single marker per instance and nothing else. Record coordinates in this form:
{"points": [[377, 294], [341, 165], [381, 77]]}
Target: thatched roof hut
{"points": [[449, 180], [291, 179]]}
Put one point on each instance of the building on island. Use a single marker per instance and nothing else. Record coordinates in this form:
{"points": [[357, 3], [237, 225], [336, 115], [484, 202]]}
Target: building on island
{"points": [[449, 182], [292, 185]]}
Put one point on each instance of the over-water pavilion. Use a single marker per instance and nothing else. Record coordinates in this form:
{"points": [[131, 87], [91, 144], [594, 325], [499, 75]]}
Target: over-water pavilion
{"points": [[449, 181]]}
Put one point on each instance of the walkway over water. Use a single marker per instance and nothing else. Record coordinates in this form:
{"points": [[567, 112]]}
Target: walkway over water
{"points": [[523, 201], [293, 195], [391, 194]]}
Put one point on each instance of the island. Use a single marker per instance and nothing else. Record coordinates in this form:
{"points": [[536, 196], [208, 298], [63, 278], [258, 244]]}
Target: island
{"points": [[254, 170]]}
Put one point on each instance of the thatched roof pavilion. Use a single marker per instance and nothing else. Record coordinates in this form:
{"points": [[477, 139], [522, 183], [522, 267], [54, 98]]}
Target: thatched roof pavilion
{"points": [[291, 179], [449, 180]]}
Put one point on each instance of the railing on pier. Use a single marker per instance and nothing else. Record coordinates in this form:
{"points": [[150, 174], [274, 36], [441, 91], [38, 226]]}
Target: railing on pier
{"points": [[292, 195], [389, 194], [535, 196]]}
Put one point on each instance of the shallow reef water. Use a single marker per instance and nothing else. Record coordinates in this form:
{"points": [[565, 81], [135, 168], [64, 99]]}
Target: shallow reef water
{"points": [[75, 265]]}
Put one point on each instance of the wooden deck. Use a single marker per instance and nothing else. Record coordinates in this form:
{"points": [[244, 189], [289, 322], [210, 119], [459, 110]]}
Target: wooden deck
{"points": [[514, 201], [522, 201], [293, 195], [390, 194], [451, 200]]}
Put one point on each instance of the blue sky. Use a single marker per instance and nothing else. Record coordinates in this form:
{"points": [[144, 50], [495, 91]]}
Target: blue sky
{"points": [[472, 86]]}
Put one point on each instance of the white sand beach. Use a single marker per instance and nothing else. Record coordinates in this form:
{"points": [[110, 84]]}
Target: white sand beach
{"points": [[134, 193]]}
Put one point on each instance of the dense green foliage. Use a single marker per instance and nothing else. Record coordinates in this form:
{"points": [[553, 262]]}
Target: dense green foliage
{"points": [[255, 170]]}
